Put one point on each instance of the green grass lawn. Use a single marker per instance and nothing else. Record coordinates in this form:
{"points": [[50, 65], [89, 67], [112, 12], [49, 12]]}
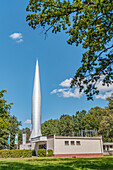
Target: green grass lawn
{"points": [[99, 163]]}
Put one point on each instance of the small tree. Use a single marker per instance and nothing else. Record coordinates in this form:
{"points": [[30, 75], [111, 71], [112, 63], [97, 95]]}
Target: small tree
{"points": [[4, 120]]}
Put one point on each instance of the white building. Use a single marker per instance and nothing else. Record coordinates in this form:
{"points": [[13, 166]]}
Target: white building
{"points": [[66, 146]]}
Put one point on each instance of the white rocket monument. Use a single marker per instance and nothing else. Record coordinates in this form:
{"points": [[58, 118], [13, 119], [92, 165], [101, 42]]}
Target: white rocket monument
{"points": [[36, 106]]}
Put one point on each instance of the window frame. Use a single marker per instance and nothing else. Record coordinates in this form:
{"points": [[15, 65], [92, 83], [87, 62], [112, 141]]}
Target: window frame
{"points": [[78, 143], [67, 143], [72, 142]]}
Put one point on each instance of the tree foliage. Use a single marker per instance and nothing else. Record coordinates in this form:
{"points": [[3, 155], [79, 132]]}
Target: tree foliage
{"points": [[50, 127], [89, 23], [66, 125], [4, 117], [106, 124], [13, 129], [8, 124], [77, 120]]}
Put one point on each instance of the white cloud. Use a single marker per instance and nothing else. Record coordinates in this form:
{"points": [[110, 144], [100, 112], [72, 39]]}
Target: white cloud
{"points": [[19, 41], [105, 88], [17, 36], [66, 83], [103, 95], [54, 91], [70, 93], [28, 121], [77, 93], [66, 93], [104, 91]]}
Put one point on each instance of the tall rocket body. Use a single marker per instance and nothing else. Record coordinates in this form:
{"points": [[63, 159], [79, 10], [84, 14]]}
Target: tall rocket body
{"points": [[36, 106]]}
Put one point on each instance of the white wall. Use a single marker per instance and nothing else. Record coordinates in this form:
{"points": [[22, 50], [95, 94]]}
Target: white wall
{"points": [[50, 144], [27, 146], [86, 146]]}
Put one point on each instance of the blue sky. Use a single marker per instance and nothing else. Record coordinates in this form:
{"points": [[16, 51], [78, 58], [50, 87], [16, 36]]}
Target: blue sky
{"points": [[58, 62]]}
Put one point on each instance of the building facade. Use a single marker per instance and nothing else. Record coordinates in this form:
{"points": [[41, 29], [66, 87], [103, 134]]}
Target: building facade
{"points": [[66, 146]]}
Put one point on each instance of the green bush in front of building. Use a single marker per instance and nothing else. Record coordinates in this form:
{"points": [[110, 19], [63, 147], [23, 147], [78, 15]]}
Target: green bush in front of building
{"points": [[15, 153], [50, 152], [41, 152]]}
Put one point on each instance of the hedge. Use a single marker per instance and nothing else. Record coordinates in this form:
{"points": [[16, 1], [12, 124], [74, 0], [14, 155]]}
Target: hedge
{"points": [[24, 153], [41, 152], [15, 153], [50, 152]]}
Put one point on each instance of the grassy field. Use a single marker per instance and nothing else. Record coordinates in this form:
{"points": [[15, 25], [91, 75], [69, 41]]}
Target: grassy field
{"points": [[101, 163]]}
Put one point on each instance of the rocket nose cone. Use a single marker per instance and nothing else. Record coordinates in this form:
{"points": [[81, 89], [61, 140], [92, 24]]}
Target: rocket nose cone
{"points": [[37, 61]]}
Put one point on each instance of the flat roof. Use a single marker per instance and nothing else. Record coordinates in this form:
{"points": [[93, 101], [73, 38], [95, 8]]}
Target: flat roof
{"points": [[109, 143], [77, 137], [73, 137]]}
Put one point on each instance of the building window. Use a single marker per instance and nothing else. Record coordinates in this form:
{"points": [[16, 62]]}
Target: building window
{"points": [[66, 142], [111, 146], [72, 142], [77, 142]]}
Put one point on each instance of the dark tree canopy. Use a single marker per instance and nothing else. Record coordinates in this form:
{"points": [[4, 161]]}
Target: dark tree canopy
{"points": [[50, 127], [66, 125], [89, 23]]}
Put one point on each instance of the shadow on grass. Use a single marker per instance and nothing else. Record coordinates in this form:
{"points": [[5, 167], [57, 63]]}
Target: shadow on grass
{"points": [[22, 166], [58, 164]]}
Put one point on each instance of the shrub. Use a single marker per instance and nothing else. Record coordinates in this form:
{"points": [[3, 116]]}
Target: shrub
{"points": [[15, 153], [27, 153], [41, 152], [50, 152], [34, 153]]}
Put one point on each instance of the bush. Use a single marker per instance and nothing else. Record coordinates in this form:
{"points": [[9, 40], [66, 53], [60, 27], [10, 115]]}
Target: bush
{"points": [[15, 153], [41, 152], [34, 153], [50, 152]]}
